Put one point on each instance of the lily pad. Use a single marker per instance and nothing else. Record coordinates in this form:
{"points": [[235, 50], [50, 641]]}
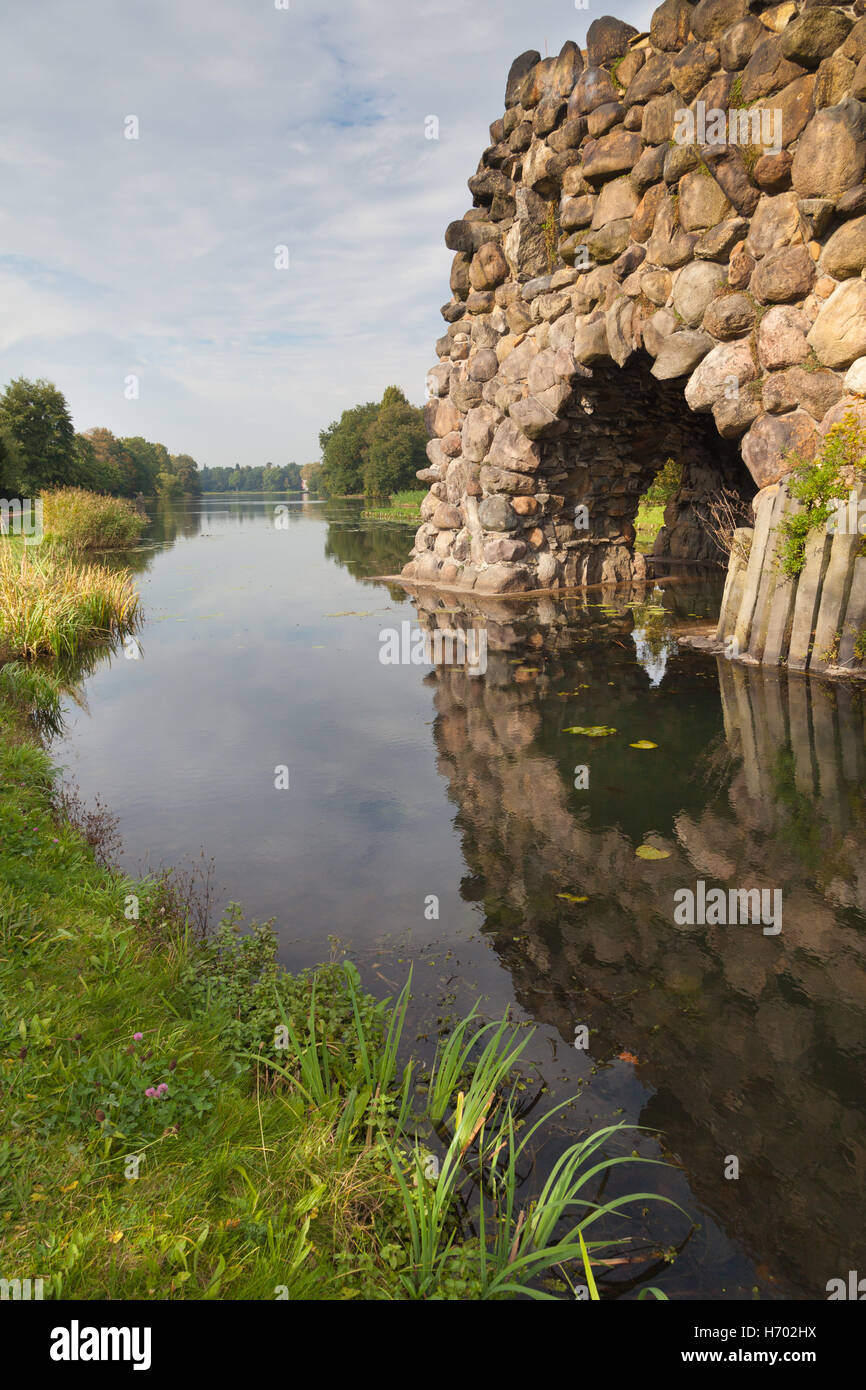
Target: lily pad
{"points": [[650, 852], [590, 730], [643, 743]]}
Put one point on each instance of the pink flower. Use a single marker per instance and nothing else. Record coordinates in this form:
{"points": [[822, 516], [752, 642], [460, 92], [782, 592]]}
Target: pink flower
{"points": [[137, 1037], [151, 1091], [162, 1088]]}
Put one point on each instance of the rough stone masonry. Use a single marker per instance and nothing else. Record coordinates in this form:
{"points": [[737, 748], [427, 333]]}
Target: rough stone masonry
{"points": [[620, 296]]}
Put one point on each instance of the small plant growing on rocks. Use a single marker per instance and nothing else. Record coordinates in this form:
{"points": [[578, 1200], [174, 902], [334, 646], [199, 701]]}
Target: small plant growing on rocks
{"points": [[819, 484]]}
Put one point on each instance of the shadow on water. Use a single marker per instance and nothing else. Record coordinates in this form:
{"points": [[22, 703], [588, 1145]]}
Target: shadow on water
{"points": [[749, 1045]]}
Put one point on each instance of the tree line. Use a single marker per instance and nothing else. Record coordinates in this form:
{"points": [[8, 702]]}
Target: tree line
{"points": [[374, 448], [39, 448], [266, 478]]}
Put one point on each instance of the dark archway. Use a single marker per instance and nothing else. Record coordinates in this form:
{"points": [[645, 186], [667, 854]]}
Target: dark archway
{"points": [[621, 427]]}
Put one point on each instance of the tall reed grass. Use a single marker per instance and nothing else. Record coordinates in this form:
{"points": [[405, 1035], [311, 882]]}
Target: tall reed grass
{"points": [[78, 521], [51, 607]]}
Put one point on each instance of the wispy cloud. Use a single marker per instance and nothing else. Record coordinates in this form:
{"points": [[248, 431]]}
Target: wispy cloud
{"points": [[258, 128]]}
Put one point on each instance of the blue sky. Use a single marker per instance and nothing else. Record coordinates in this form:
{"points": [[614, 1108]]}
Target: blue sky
{"points": [[258, 127]]}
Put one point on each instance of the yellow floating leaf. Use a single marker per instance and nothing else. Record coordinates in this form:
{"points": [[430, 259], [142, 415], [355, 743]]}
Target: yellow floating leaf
{"points": [[590, 730], [572, 898], [643, 743], [650, 852]]}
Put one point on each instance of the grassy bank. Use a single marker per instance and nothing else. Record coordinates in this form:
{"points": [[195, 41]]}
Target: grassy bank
{"points": [[182, 1118], [401, 506], [649, 521], [205, 1189]]}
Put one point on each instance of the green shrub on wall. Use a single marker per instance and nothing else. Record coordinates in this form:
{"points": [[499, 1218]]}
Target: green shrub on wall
{"points": [[821, 483]]}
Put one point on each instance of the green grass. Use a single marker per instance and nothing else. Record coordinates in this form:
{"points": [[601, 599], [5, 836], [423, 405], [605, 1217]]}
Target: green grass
{"points": [[648, 522], [288, 1153], [50, 606], [402, 506], [78, 521]]}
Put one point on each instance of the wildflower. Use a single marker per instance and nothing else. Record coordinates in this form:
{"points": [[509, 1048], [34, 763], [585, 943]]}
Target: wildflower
{"points": [[137, 1037], [162, 1088], [151, 1091]]}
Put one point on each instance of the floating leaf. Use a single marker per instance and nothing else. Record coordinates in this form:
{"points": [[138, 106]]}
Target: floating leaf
{"points": [[643, 743], [590, 730], [650, 852], [572, 898]]}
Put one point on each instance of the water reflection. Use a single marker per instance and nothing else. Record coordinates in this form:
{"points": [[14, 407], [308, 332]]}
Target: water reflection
{"points": [[366, 550], [259, 647], [752, 1045]]}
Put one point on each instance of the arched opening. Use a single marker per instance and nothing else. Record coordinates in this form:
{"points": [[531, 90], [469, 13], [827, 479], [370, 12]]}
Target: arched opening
{"points": [[621, 425]]}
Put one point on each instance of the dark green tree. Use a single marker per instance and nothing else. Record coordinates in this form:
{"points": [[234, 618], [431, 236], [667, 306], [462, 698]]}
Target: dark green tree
{"points": [[185, 470], [344, 448], [396, 445], [149, 459], [36, 416], [11, 466]]}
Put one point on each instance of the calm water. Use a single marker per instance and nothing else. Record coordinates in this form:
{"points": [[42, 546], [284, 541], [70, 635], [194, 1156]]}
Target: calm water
{"points": [[261, 649]]}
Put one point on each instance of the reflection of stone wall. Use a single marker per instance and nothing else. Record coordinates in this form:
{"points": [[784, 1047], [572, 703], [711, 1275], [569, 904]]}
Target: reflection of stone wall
{"points": [[710, 276], [750, 1042]]}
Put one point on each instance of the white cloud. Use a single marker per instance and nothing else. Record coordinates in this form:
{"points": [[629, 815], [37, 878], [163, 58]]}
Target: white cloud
{"points": [[258, 127]]}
